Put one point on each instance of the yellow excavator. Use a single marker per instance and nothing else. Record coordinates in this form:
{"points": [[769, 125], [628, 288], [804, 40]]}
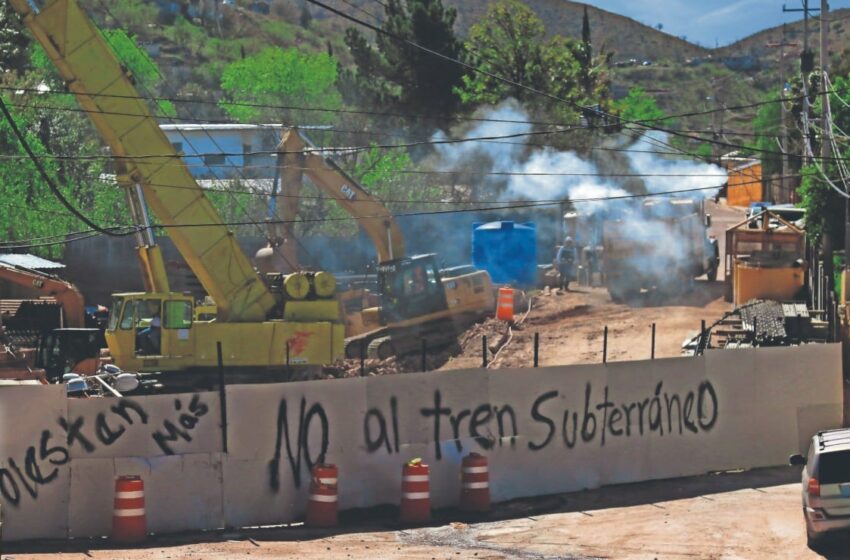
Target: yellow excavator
{"points": [[264, 324], [415, 301]]}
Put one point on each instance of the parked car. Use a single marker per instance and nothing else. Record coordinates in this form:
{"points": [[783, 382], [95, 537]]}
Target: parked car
{"points": [[826, 483]]}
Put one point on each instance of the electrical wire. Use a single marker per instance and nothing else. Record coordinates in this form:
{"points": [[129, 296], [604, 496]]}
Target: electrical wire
{"points": [[535, 91], [415, 201], [235, 201], [197, 100], [507, 205], [643, 124], [49, 180], [575, 126]]}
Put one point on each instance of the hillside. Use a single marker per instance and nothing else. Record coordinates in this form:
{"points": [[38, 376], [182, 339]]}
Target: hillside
{"points": [[624, 36], [756, 44], [683, 77]]}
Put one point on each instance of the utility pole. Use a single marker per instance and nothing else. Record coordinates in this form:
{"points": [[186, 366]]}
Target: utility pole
{"points": [[806, 62], [805, 9], [784, 180], [825, 148], [826, 136]]}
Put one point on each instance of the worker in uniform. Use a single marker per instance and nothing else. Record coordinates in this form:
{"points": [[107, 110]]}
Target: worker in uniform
{"points": [[565, 261], [149, 338]]}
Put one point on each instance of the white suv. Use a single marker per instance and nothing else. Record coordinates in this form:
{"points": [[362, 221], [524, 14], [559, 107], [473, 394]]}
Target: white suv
{"points": [[826, 483]]}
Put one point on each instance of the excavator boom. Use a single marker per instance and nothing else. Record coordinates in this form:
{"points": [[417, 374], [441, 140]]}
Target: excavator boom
{"points": [[417, 303], [65, 293], [298, 154], [104, 88]]}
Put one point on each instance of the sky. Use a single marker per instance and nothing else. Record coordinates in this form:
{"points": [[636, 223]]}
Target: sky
{"points": [[711, 22]]}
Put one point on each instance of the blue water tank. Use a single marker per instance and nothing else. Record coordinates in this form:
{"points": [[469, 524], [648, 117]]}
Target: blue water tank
{"points": [[508, 251]]}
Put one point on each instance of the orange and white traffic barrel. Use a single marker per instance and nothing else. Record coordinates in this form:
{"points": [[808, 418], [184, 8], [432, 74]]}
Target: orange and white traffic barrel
{"points": [[128, 514], [415, 492], [323, 503], [475, 483], [505, 305]]}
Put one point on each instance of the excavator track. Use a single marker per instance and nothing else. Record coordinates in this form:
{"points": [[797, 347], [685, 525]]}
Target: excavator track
{"points": [[398, 342], [381, 348]]}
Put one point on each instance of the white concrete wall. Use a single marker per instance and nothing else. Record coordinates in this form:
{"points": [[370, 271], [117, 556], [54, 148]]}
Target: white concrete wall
{"points": [[547, 430]]}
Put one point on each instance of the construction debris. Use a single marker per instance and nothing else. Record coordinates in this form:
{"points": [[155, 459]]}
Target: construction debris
{"points": [[761, 323]]}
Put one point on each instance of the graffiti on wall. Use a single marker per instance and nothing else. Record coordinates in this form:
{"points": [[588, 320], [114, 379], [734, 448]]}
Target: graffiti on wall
{"points": [[22, 476], [595, 419]]}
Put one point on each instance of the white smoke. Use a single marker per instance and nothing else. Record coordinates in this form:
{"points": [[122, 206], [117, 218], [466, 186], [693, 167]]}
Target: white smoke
{"points": [[538, 178], [502, 155], [549, 174], [667, 174]]}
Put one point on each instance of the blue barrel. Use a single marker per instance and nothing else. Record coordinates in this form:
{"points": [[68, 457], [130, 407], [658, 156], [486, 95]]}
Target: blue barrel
{"points": [[507, 250]]}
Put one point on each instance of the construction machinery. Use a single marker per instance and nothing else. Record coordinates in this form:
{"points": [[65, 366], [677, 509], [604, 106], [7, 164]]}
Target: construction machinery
{"points": [[415, 302], [49, 348], [16, 364], [261, 327], [659, 245], [66, 295]]}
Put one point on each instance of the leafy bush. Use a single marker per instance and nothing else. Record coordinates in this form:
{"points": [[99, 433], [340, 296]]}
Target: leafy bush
{"points": [[281, 77]]}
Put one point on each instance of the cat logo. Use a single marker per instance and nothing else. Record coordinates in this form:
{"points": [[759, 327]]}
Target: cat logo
{"points": [[348, 192]]}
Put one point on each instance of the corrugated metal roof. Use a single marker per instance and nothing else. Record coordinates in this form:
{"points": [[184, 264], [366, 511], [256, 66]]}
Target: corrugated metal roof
{"points": [[26, 260], [184, 127]]}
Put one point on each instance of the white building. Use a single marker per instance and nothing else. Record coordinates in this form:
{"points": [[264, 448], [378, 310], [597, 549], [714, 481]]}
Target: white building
{"points": [[226, 151]]}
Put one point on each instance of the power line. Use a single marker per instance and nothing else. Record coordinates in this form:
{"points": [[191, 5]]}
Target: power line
{"points": [[401, 172], [523, 86], [202, 101], [352, 149], [235, 200], [644, 124], [515, 205], [334, 129], [48, 180]]}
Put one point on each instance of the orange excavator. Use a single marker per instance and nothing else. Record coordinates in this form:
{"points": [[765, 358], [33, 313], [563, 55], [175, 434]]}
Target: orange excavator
{"points": [[66, 294], [69, 348]]}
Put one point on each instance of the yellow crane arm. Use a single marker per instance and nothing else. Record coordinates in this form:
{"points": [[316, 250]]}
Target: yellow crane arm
{"points": [[295, 152], [105, 90]]}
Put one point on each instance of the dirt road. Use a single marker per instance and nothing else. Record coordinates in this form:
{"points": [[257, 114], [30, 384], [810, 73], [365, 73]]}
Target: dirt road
{"points": [[571, 325], [753, 514]]}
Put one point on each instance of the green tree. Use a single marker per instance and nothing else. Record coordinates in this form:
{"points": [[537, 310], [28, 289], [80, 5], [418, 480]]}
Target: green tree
{"points": [[824, 206], [507, 42], [381, 172], [276, 77], [306, 18], [30, 210], [584, 54], [56, 127], [638, 106], [187, 35], [404, 76], [145, 72], [135, 15], [510, 42], [13, 41]]}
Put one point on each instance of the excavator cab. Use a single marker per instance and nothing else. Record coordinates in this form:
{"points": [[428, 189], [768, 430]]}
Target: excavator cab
{"points": [[71, 350], [410, 287]]}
